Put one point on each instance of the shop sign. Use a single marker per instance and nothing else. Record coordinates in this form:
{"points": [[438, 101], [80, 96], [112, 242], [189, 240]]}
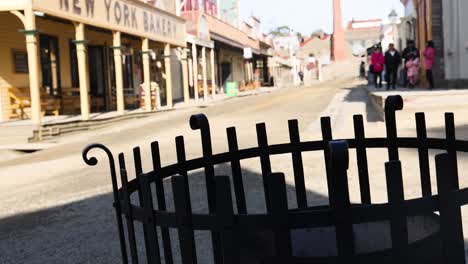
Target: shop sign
{"points": [[132, 17], [248, 54]]}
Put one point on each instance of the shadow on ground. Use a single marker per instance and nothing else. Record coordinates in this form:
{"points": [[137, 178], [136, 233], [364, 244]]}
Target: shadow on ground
{"points": [[85, 231], [359, 94]]}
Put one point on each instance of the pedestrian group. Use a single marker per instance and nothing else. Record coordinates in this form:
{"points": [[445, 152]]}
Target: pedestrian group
{"points": [[392, 59]]}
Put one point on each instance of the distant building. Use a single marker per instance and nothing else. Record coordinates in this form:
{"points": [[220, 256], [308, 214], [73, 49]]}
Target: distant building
{"points": [[230, 11], [286, 66], [362, 34], [407, 27], [223, 54], [209, 7], [315, 48], [166, 5], [391, 35]]}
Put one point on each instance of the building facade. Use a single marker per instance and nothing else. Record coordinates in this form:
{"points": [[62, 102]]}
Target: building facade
{"points": [[444, 22], [78, 57], [362, 34], [223, 55], [286, 65], [313, 52]]}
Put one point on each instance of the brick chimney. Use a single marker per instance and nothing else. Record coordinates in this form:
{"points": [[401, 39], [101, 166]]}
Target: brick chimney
{"points": [[338, 52]]}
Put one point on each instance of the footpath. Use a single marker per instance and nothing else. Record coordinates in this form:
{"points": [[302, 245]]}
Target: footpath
{"points": [[433, 103], [23, 135], [369, 102]]}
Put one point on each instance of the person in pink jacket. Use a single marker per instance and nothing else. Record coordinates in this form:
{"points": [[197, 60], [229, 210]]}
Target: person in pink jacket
{"points": [[377, 62], [429, 58], [413, 66]]}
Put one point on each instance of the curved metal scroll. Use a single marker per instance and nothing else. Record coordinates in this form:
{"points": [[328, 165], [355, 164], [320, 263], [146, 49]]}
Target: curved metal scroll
{"points": [[93, 161]]}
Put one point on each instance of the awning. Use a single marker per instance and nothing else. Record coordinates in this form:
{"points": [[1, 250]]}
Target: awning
{"points": [[236, 44], [227, 41]]}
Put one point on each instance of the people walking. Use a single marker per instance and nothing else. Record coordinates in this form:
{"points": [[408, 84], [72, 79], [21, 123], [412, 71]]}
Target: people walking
{"points": [[377, 61], [409, 52], [362, 70], [301, 77], [413, 67], [429, 58], [392, 63]]}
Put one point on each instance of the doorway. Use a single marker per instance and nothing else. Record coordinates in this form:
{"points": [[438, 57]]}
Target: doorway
{"points": [[97, 78], [50, 64], [226, 72]]}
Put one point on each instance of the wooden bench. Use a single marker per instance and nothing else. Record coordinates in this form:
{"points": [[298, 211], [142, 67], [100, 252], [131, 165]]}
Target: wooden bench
{"points": [[200, 88], [70, 100], [20, 103]]}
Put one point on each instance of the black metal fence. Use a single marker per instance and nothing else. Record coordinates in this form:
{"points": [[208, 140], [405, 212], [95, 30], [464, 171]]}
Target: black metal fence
{"points": [[423, 230]]}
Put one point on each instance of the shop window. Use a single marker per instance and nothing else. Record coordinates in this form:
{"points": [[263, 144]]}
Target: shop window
{"points": [[20, 61], [50, 62], [259, 64], [74, 65]]}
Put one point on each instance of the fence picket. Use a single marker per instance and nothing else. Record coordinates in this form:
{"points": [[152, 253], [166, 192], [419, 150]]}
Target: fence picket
{"points": [[225, 213], [265, 162], [451, 228], [340, 201], [392, 104], [128, 209], [451, 144], [398, 225], [161, 200], [184, 220], [236, 171], [298, 166], [149, 231], [279, 211], [423, 153], [361, 155], [327, 137], [92, 161], [152, 251], [201, 122]]}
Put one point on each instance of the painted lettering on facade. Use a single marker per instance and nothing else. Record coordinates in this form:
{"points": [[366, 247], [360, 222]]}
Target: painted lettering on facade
{"points": [[122, 15]]}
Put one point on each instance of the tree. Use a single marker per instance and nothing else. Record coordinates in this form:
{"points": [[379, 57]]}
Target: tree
{"points": [[281, 31], [300, 37], [317, 33]]}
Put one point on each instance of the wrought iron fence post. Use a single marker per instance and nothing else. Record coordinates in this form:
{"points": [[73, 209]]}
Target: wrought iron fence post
{"points": [[392, 104], [340, 202], [200, 122], [93, 161]]}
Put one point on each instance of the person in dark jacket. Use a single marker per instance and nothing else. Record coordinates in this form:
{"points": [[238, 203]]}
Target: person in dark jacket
{"points": [[392, 63], [409, 52]]}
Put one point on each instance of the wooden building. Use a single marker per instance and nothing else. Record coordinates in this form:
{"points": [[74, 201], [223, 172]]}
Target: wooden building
{"points": [[76, 57], [222, 53]]}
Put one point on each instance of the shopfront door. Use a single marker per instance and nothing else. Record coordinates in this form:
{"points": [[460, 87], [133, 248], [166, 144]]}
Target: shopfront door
{"points": [[97, 78], [226, 73]]}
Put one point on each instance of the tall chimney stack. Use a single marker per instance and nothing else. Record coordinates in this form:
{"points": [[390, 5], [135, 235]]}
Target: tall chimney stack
{"points": [[338, 51]]}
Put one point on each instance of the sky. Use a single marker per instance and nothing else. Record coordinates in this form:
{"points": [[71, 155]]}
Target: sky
{"points": [[306, 16]]}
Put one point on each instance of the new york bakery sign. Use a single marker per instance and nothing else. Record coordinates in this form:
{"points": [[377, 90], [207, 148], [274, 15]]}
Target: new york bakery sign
{"points": [[128, 16]]}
